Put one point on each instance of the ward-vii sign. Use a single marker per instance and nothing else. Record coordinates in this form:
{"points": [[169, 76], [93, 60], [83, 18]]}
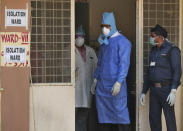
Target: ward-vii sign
{"points": [[15, 48]]}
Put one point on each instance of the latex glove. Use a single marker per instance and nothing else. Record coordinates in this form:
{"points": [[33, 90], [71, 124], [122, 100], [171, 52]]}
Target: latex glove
{"points": [[93, 86], [171, 97], [143, 99], [116, 88]]}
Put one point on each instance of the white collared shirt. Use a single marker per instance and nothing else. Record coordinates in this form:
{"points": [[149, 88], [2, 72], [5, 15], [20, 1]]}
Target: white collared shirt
{"points": [[115, 34]]}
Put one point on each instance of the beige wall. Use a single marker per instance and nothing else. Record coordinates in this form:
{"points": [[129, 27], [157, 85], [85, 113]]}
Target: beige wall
{"points": [[52, 109]]}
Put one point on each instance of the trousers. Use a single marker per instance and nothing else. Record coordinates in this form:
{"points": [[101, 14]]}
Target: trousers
{"points": [[158, 97]]}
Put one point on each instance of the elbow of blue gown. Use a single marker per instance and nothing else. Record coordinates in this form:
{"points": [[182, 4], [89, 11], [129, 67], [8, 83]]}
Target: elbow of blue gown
{"points": [[124, 63]]}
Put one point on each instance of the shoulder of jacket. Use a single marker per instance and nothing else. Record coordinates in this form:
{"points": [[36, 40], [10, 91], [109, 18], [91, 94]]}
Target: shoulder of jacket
{"points": [[173, 46], [124, 40]]}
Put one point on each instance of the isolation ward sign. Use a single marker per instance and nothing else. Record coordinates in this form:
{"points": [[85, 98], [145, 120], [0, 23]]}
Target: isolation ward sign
{"points": [[15, 48], [16, 17], [15, 54]]}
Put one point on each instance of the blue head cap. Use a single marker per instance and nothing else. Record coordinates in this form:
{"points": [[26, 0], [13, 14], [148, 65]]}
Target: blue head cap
{"points": [[108, 19], [80, 31]]}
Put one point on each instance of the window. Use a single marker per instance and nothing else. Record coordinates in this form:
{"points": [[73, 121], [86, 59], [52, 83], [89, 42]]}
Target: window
{"points": [[165, 13], [51, 41]]}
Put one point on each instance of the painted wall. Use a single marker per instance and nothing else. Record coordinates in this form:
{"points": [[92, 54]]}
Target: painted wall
{"points": [[52, 108]]}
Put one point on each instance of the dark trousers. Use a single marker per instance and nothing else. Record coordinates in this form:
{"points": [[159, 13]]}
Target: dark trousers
{"points": [[82, 119], [158, 97], [114, 127], [93, 119]]}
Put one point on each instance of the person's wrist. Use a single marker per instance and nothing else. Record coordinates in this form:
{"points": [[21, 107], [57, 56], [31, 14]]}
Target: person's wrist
{"points": [[173, 91], [174, 85], [118, 84], [95, 80], [143, 94]]}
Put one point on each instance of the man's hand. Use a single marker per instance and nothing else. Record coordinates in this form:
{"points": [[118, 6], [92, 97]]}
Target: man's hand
{"points": [[116, 88], [143, 99], [93, 86], [171, 98]]}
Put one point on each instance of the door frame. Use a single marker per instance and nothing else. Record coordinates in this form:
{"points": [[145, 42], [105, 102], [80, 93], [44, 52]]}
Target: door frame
{"points": [[139, 57]]}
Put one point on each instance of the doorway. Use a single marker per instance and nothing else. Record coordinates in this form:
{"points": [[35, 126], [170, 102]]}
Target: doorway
{"points": [[89, 14]]}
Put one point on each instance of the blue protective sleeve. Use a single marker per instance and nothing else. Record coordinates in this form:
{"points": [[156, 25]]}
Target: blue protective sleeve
{"points": [[124, 59]]}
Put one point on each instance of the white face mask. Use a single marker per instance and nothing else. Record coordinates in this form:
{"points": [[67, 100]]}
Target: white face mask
{"points": [[79, 41], [105, 31]]}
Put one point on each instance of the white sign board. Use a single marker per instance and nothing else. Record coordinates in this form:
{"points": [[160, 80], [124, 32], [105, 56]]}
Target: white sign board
{"points": [[15, 54], [16, 17]]}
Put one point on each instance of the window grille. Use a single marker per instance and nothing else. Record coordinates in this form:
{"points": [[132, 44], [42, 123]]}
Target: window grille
{"points": [[51, 41], [165, 13]]}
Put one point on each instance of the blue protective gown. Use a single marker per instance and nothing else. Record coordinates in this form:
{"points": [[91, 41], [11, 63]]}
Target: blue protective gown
{"points": [[113, 65]]}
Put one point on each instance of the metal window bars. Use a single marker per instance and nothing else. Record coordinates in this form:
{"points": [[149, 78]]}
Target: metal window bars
{"points": [[51, 41], [165, 13]]}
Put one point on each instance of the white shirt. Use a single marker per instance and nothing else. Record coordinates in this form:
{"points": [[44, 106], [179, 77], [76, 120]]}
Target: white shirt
{"points": [[84, 77], [115, 34]]}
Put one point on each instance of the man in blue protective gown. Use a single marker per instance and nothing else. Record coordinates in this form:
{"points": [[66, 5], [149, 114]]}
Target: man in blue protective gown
{"points": [[110, 77]]}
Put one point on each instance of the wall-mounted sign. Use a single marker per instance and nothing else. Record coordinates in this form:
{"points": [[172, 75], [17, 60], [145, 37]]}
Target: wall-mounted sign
{"points": [[16, 17], [15, 48], [15, 54]]}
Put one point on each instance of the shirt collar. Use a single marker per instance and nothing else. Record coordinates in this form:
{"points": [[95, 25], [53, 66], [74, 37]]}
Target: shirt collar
{"points": [[163, 45], [115, 34]]}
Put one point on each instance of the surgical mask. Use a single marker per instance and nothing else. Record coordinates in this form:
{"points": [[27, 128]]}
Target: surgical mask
{"points": [[106, 31], [79, 41], [151, 40]]}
